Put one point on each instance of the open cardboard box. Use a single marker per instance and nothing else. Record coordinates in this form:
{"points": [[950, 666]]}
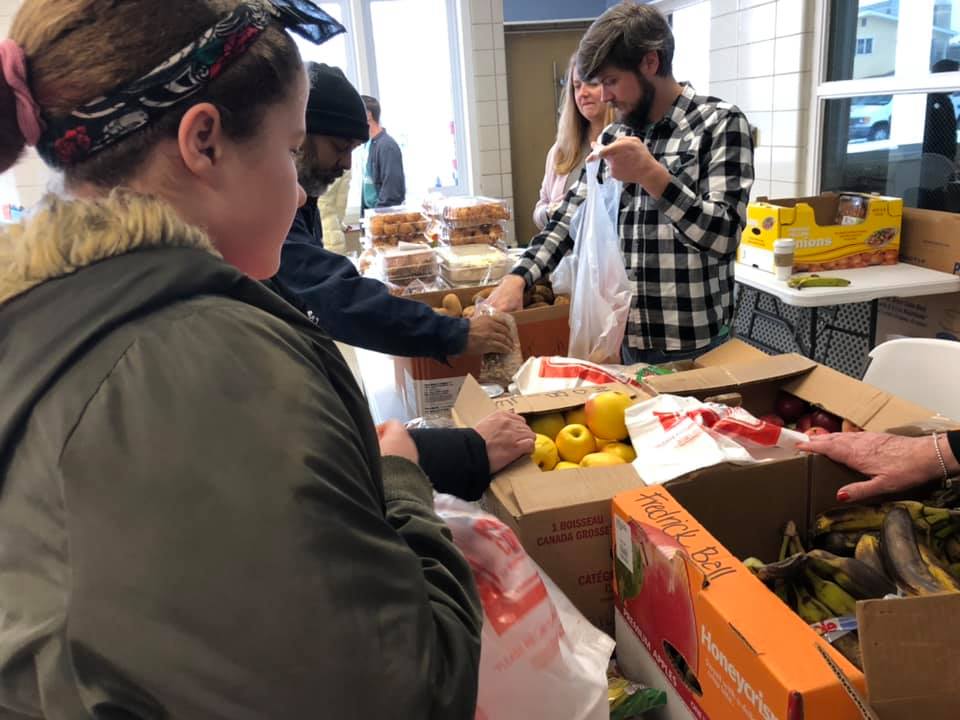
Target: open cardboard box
{"points": [[429, 386], [563, 518], [748, 654], [821, 242]]}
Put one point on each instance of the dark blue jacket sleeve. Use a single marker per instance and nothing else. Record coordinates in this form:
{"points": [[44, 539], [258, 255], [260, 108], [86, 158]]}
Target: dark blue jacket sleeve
{"points": [[360, 311], [455, 460], [393, 190]]}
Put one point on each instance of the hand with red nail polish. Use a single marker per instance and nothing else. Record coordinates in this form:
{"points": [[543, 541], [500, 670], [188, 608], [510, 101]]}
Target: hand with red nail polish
{"points": [[892, 463]]}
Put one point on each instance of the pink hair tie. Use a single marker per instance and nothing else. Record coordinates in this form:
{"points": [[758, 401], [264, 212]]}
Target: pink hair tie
{"points": [[14, 64]]}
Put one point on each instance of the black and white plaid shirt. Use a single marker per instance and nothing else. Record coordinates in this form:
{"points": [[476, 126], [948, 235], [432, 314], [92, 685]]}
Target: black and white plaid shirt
{"points": [[678, 249]]}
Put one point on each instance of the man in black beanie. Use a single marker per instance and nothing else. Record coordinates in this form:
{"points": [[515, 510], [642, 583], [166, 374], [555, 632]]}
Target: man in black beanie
{"points": [[361, 312]]}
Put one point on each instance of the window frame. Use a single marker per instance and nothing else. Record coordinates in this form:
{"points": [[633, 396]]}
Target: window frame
{"points": [[361, 70], [824, 90]]}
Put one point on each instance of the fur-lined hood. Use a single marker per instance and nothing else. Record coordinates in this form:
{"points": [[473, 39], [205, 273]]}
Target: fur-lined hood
{"points": [[67, 235]]}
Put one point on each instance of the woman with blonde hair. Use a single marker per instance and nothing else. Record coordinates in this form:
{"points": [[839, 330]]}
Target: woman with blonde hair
{"points": [[198, 518], [582, 118]]}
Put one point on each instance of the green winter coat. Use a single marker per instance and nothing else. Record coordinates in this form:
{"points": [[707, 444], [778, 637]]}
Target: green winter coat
{"points": [[195, 521]]}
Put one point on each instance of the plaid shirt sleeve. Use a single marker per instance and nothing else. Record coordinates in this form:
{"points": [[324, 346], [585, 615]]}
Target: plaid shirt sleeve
{"points": [[711, 215], [548, 248]]}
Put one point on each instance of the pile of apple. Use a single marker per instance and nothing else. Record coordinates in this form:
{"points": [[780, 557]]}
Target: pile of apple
{"points": [[796, 414], [594, 435]]}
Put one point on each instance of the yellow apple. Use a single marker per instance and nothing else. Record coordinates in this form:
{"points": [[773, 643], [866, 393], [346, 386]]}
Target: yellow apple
{"points": [[575, 441], [549, 424], [544, 453], [620, 450], [602, 442], [605, 411], [564, 465], [602, 459], [576, 417]]}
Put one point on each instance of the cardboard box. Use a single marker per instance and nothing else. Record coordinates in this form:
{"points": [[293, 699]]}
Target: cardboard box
{"points": [[748, 654], [822, 243], [931, 239], [561, 517], [428, 386]]}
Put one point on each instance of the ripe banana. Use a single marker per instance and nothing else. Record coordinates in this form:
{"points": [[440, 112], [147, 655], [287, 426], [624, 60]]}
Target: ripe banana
{"points": [[938, 570], [851, 518], [809, 608], [849, 646], [813, 611], [901, 555], [868, 552], [780, 570], [867, 517], [857, 578], [951, 548], [840, 543], [830, 594]]}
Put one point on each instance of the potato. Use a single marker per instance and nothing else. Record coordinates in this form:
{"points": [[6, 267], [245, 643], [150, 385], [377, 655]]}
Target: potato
{"points": [[561, 300], [452, 304], [482, 295], [537, 305], [469, 311], [545, 292], [442, 311]]}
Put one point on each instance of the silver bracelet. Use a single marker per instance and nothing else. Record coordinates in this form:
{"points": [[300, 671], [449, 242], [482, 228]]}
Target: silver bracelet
{"points": [[947, 480]]}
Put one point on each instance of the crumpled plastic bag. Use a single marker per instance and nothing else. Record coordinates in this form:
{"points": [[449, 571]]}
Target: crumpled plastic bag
{"points": [[675, 435], [499, 368], [540, 658]]}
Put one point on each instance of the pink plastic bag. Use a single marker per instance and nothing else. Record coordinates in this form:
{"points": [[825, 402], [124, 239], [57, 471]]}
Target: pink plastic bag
{"points": [[540, 657]]}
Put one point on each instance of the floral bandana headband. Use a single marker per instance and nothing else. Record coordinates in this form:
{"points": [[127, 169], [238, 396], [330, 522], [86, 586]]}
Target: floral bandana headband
{"points": [[107, 120]]}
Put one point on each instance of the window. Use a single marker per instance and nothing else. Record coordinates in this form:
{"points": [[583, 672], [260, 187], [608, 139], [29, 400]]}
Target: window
{"points": [[889, 114], [415, 82], [691, 57]]}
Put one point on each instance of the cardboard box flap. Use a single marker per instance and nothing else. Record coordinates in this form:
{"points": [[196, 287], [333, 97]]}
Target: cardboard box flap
{"points": [[559, 400], [731, 352], [713, 379], [536, 492], [862, 404], [473, 404], [932, 676]]}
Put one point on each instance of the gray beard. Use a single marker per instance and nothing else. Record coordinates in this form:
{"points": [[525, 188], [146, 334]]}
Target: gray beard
{"points": [[314, 180]]}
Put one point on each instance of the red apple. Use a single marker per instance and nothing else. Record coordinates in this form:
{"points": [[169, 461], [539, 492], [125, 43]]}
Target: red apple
{"points": [[773, 419], [815, 430], [805, 423], [789, 407], [847, 426], [826, 420]]}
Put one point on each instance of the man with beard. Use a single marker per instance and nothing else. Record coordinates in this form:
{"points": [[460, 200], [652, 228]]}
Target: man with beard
{"points": [[359, 311], [356, 310], [686, 162]]}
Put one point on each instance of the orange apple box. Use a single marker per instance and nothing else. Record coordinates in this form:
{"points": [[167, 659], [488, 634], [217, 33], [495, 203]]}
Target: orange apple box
{"points": [[728, 646]]}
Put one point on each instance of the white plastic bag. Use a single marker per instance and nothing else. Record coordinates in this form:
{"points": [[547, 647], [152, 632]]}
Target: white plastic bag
{"points": [[675, 435], [600, 300], [539, 658]]}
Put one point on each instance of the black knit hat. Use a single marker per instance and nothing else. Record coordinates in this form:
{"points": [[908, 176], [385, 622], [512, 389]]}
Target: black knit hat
{"points": [[334, 107]]}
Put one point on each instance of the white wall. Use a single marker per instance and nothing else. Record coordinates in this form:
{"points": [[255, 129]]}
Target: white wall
{"points": [[488, 111], [760, 59]]}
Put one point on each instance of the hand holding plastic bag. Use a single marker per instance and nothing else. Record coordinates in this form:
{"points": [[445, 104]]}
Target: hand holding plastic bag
{"points": [[539, 658], [602, 292]]}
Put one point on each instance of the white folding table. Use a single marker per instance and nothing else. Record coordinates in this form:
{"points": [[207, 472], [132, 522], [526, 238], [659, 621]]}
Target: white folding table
{"points": [[867, 285]]}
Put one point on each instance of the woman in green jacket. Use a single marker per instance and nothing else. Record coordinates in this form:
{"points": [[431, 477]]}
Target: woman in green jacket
{"points": [[198, 518]]}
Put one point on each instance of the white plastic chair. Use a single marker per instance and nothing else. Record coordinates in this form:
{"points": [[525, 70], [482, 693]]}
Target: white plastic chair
{"points": [[921, 370]]}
